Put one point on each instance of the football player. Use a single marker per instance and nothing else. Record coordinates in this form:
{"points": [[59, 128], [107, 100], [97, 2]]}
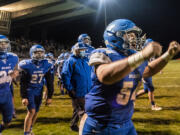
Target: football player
{"points": [[61, 59], [148, 87], [33, 71], [8, 72], [50, 58], [117, 72]]}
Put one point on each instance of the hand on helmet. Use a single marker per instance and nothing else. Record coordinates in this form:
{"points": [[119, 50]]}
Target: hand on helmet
{"points": [[151, 50]]}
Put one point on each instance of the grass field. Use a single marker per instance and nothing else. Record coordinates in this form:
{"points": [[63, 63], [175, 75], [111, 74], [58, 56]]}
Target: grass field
{"points": [[55, 119]]}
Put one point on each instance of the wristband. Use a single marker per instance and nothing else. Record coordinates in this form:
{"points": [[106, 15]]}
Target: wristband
{"points": [[166, 56], [135, 60]]}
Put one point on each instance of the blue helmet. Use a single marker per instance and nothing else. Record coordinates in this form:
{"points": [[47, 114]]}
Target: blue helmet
{"points": [[4, 44], [49, 56], [148, 40], [61, 56], [37, 48], [66, 55], [113, 34], [82, 37]]}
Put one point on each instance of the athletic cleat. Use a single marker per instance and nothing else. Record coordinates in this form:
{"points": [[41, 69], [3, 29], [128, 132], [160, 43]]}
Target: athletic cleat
{"points": [[31, 133], [14, 116], [156, 108]]}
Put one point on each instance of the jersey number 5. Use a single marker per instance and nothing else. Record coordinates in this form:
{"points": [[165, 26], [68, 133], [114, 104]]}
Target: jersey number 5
{"points": [[125, 93]]}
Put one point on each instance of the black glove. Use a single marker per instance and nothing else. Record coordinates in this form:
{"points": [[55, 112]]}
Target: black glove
{"points": [[72, 94]]}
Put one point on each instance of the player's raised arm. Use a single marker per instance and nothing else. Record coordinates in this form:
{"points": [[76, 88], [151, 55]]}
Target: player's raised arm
{"points": [[156, 65], [115, 71]]}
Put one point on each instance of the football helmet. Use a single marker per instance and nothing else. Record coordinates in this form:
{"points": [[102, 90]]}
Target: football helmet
{"points": [[115, 31], [37, 52], [4, 44], [146, 42], [66, 55], [84, 38], [49, 56], [61, 56]]}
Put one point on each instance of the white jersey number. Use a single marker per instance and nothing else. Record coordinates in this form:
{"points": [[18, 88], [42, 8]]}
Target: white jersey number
{"points": [[4, 78], [37, 78]]}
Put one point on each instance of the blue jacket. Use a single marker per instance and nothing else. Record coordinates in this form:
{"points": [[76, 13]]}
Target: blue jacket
{"points": [[76, 75]]}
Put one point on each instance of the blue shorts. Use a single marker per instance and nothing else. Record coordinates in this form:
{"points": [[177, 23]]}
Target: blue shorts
{"points": [[148, 87], [148, 84], [92, 127], [12, 89], [6, 106], [34, 101]]}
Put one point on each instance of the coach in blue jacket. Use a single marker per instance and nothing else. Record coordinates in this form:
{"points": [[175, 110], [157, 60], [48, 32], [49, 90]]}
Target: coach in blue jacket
{"points": [[76, 77]]}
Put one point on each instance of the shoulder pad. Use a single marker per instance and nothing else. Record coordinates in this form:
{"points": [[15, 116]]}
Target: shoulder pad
{"points": [[12, 54], [22, 64], [99, 56], [13, 58], [106, 51], [48, 63]]}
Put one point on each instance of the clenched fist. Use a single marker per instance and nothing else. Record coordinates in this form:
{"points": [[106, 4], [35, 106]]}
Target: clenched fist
{"points": [[25, 101], [151, 50], [174, 48]]}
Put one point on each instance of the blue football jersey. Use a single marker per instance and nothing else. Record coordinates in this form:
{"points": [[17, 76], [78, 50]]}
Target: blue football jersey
{"points": [[35, 73], [112, 103], [7, 65], [53, 65]]}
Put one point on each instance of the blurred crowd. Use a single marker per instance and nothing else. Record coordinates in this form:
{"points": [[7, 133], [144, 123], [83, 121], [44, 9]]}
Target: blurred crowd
{"points": [[21, 46]]}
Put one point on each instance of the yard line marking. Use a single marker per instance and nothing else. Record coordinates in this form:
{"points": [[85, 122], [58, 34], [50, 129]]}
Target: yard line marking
{"points": [[167, 86], [165, 77], [169, 73]]}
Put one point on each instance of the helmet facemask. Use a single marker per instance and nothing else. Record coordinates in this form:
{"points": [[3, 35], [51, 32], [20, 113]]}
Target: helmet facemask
{"points": [[87, 40], [5, 45], [132, 39], [38, 55]]}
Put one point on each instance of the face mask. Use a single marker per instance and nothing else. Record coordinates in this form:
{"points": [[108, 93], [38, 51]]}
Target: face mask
{"points": [[82, 54]]}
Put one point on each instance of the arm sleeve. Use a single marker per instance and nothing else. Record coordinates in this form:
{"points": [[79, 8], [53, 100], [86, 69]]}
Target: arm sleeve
{"points": [[66, 74], [49, 81], [23, 83]]}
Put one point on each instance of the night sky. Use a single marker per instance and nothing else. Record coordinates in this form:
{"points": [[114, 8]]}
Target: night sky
{"points": [[158, 18]]}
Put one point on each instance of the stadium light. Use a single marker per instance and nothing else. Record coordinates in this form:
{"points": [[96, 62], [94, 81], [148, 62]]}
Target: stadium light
{"points": [[103, 2]]}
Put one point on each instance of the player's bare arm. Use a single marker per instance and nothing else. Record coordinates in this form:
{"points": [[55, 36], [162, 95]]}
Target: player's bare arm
{"points": [[115, 71], [159, 63]]}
